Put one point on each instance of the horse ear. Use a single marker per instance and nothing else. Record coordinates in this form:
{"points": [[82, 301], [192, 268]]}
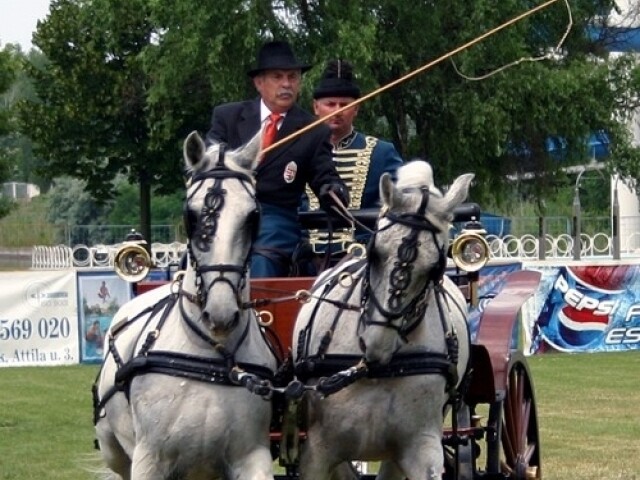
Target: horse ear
{"points": [[247, 155], [193, 150], [459, 190], [388, 192]]}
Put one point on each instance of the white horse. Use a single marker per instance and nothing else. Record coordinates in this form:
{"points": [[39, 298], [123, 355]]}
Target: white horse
{"points": [[384, 341], [167, 400]]}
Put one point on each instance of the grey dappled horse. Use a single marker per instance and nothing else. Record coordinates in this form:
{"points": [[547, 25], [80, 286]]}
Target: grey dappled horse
{"points": [[398, 312], [167, 401]]}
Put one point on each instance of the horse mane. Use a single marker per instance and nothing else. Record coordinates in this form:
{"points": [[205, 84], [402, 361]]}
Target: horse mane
{"points": [[418, 174]]}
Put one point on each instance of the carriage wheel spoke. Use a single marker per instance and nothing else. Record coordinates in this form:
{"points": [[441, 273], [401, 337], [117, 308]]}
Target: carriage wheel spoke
{"points": [[518, 448]]}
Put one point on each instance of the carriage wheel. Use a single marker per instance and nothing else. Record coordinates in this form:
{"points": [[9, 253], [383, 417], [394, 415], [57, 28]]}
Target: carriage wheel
{"points": [[514, 449]]}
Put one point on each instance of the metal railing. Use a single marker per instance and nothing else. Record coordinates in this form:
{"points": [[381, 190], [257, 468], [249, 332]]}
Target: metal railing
{"points": [[527, 247], [509, 247], [521, 239], [99, 256]]}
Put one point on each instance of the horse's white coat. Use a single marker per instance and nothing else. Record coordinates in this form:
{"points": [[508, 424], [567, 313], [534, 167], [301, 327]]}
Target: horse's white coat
{"points": [[400, 420], [177, 428]]}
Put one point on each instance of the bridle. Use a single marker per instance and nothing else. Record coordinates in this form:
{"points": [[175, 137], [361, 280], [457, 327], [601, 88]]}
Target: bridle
{"points": [[401, 275], [336, 371], [202, 230]]}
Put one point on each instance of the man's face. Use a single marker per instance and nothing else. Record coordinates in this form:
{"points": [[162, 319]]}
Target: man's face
{"points": [[341, 123], [279, 89]]}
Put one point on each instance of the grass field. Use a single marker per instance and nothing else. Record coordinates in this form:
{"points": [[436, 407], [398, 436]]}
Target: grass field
{"points": [[587, 408]]}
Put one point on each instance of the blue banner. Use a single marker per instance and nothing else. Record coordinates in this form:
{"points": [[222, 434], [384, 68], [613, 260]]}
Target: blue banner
{"points": [[492, 279], [587, 308]]}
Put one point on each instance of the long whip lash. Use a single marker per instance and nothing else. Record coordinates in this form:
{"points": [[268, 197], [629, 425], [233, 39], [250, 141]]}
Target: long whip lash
{"points": [[410, 75]]}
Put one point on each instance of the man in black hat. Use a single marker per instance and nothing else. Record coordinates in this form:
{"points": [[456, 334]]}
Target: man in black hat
{"points": [[360, 159], [284, 172]]}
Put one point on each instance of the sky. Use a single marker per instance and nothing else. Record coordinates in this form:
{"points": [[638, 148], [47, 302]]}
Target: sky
{"points": [[18, 20]]}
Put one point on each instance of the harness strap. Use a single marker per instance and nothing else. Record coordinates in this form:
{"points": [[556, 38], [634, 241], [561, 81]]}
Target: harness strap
{"points": [[166, 303], [451, 338], [304, 338], [342, 306], [401, 365], [153, 334], [204, 369]]}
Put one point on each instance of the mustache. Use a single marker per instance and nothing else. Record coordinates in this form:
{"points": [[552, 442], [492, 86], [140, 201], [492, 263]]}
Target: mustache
{"points": [[285, 92]]}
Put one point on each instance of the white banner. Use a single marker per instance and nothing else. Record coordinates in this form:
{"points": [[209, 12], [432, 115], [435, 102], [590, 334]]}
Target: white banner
{"points": [[38, 318]]}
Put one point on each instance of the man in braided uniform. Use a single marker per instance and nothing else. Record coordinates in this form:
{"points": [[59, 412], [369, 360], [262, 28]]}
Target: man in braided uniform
{"points": [[360, 159]]}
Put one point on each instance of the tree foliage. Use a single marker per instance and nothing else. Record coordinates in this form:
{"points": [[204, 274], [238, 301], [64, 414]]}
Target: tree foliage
{"points": [[123, 210], [91, 122], [126, 80], [71, 204], [16, 149], [8, 72]]}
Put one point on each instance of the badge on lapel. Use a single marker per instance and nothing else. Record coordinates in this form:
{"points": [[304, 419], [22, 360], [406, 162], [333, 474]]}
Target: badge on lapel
{"points": [[290, 172]]}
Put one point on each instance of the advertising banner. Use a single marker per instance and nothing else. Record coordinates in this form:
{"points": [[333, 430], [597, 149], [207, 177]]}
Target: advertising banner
{"points": [[586, 308], [100, 295], [492, 279], [38, 318]]}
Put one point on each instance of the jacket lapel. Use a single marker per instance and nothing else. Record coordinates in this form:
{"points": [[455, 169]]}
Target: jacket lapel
{"points": [[249, 121], [293, 121]]}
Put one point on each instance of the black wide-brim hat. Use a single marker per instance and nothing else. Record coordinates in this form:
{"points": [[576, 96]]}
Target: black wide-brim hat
{"points": [[276, 55]]}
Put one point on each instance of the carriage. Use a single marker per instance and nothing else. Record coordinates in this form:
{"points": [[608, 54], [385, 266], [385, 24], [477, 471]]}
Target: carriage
{"points": [[488, 422], [501, 384]]}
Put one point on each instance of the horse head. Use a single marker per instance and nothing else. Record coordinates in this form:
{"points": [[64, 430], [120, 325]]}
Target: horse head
{"points": [[221, 217], [406, 256]]}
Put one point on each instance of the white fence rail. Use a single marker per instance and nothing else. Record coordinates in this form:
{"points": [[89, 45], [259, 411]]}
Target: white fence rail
{"points": [[562, 246], [98, 256], [525, 247]]}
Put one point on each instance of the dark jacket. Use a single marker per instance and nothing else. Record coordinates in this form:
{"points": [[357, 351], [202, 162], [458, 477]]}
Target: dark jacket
{"points": [[283, 173]]}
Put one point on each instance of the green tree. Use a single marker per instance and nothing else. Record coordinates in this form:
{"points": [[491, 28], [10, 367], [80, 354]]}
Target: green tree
{"points": [[452, 114], [15, 147], [8, 72], [463, 120], [128, 79], [72, 206], [91, 121], [165, 209]]}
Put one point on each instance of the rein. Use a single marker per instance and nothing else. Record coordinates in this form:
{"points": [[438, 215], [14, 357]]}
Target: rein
{"points": [[343, 370]]}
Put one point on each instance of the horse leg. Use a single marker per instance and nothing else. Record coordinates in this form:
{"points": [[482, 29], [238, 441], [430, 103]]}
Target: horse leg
{"points": [[424, 461], [146, 466], [344, 471], [257, 465], [389, 471], [113, 454], [318, 463]]}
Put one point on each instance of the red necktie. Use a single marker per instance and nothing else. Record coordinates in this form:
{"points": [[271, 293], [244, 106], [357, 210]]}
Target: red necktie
{"points": [[270, 130]]}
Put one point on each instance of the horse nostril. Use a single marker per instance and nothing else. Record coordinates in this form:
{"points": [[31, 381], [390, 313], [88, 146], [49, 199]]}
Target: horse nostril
{"points": [[363, 346]]}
